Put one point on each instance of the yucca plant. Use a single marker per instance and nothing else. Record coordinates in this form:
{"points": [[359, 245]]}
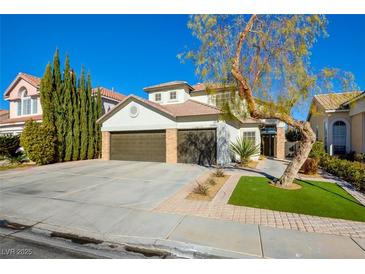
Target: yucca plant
{"points": [[245, 149]]}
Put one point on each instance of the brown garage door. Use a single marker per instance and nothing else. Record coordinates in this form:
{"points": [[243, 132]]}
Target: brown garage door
{"points": [[149, 146], [197, 146]]}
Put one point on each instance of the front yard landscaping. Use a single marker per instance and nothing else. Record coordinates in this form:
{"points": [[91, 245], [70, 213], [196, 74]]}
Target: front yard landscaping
{"points": [[313, 198]]}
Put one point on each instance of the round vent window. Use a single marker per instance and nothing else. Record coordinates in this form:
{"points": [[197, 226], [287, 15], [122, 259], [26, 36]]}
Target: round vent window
{"points": [[133, 111]]}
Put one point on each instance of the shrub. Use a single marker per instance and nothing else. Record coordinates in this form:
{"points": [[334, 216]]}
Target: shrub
{"points": [[38, 142], [310, 166], [9, 145], [245, 149], [352, 172], [211, 182], [219, 172], [317, 151], [201, 189], [293, 135]]}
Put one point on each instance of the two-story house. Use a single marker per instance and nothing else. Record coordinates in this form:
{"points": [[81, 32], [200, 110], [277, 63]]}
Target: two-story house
{"points": [[24, 102], [338, 120], [181, 123]]}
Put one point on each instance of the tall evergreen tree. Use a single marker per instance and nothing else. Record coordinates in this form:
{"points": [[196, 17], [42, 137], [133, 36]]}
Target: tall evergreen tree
{"points": [[83, 117], [91, 120], [60, 121], [68, 93], [76, 118], [46, 88]]}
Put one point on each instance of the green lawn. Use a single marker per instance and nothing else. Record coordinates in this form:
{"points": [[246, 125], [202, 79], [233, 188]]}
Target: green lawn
{"points": [[314, 198]]}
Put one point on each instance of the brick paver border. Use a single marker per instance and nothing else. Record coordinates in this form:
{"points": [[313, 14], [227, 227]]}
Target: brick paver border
{"points": [[219, 209]]}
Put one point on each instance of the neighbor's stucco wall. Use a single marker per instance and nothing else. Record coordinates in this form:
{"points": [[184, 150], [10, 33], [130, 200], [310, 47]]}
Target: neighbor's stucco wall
{"points": [[317, 121], [357, 133], [357, 107]]}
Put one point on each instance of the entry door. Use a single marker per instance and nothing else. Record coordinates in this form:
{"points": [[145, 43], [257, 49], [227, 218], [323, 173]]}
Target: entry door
{"points": [[267, 145]]}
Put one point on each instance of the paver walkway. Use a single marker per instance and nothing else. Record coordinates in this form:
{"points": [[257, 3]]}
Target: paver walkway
{"points": [[219, 209]]}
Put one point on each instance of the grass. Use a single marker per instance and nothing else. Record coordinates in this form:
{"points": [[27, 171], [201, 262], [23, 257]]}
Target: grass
{"points": [[314, 198]]}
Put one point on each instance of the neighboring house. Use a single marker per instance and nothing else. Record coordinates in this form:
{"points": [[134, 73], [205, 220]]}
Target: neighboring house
{"points": [[4, 114], [24, 100], [182, 123], [338, 119]]}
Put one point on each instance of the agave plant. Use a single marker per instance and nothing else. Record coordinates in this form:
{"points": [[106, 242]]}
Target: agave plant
{"points": [[245, 149]]}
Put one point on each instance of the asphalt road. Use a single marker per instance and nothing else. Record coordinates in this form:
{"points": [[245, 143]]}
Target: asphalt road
{"points": [[14, 247]]}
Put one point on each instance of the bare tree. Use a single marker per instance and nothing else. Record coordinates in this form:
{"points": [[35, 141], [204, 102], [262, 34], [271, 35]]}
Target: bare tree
{"points": [[266, 58]]}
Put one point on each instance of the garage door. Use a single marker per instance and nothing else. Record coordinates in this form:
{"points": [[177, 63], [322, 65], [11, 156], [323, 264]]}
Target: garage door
{"points": [[149, 146], [197, 146]]}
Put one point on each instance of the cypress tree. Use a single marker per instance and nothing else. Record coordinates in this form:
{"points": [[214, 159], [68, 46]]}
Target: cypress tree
{"points": [[45, 91], [99, 110], [76, 119], [91, 120], [68, 93], [58, 101], [83, 116]]}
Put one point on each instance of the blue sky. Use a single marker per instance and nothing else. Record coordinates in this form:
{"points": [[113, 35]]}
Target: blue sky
{"points": [[129, 52]]}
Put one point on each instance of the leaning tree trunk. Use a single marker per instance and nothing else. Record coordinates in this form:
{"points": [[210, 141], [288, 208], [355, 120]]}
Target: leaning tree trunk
{"points": [[305, 146]]}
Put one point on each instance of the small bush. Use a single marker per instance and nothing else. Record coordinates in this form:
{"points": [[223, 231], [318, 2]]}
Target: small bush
{"points": [[38, 142], [9, 146], [293, 135], [211, 182], [352, 172], [317, 151], [201, 189], [310, 166], [219, 172], [245, 149]]}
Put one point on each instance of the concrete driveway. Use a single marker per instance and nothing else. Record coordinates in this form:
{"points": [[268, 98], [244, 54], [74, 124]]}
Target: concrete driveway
{"points": [[138, 185]]}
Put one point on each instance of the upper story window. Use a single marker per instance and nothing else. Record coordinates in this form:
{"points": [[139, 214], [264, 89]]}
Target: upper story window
{"points": [[221, 98], [158, 97], [26, 105], [173, 95]]}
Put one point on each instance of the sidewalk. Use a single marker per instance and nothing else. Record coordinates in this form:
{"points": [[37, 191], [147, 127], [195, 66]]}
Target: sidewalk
{"points": [[188, 236]]}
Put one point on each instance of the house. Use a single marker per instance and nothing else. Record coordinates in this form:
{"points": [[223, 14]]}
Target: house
{"points": [[24, 100], [4, 114], [182, 123], [338, 119]]}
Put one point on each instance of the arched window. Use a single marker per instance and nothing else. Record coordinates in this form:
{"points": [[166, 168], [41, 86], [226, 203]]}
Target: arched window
{"points": [[26, 104], [339, 137]]}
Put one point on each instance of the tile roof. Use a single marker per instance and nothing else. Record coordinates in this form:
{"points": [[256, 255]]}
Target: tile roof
{"points": [[34, 80], [188, 108], [31, 79], [110, 93], [167, 84], [204, 86], [191, 108], [21, 119], [335, 101]]}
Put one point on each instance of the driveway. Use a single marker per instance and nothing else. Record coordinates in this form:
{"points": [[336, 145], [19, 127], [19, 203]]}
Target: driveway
{"points": [[138, 185]]}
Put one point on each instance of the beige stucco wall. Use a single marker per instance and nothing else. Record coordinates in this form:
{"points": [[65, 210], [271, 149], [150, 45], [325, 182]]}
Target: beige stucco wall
{"points": [[357, 132], [317, 121]]}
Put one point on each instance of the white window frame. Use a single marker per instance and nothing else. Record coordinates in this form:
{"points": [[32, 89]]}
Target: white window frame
{"points": [[171, 94], [158, 95], [250, 137]]}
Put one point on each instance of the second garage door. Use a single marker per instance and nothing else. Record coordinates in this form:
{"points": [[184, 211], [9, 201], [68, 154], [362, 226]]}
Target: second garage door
{"points": [[149, 146], [197, 146]]}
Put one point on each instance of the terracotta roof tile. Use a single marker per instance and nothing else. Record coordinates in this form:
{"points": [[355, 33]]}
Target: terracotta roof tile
{"points": [[21, 119], [335, 101], [110, 93], [191, 108], [34, 80]]}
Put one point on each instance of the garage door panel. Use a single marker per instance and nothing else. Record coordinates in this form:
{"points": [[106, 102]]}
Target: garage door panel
{"points": [[197, 146], [138, 146]]}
